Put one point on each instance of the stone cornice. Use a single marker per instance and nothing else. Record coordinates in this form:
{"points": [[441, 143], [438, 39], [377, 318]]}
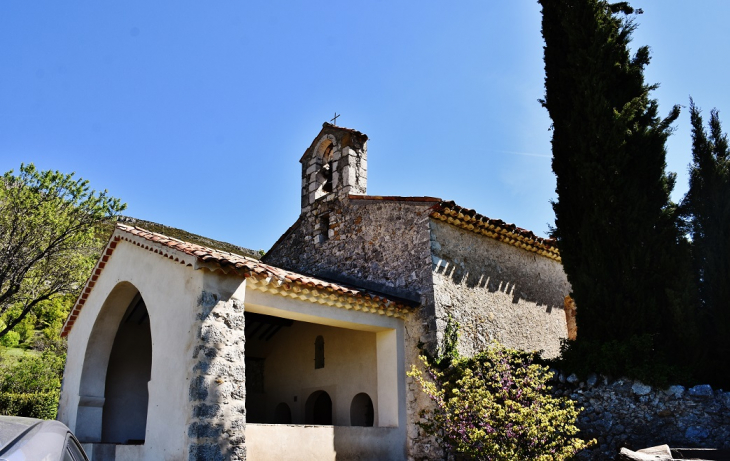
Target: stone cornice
{"points": [[496, 229]]}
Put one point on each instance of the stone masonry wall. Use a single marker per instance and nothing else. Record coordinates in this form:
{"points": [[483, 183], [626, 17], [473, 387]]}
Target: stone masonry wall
{"points": [[216, 428], [380, 245], [496, 291], [625, 413]]}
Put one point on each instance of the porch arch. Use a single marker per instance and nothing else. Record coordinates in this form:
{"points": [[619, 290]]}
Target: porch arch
{"points": [[113, 391]]}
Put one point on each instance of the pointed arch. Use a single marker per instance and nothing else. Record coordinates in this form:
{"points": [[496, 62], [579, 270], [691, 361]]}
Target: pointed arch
{"points": [[113, 392]]}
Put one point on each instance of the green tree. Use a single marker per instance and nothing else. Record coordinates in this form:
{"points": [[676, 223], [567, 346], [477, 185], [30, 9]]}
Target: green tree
{"points": [[707, 204], [616, 228], [48, 244]]}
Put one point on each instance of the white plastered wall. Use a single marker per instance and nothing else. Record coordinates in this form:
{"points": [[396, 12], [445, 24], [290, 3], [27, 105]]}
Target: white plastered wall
{"points": [[170, 291]]}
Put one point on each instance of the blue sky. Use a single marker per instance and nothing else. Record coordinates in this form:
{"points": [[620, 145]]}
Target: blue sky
{"points": [[196, 115]]}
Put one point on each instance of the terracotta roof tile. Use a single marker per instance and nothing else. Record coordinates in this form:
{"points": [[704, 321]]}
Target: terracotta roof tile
{"points": [[242, 265], [469, 219]]}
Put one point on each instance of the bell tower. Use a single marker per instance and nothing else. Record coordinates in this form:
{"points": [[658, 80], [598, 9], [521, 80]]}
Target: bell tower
{"points": [[334, 166]]}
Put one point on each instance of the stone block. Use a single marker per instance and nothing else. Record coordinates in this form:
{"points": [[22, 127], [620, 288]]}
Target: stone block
{"points": [[675, 391], [205, 452], [199, 388], [640, 388], [701, 391], [206, 411], [204, 430], [696, 434]]}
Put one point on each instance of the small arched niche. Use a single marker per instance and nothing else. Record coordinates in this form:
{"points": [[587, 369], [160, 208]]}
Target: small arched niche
{"points": [[361, 411], [282, 414], [318, 409]]}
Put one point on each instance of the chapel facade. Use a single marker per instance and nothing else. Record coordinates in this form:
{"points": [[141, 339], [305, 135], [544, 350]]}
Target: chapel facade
{"points": [[181, 351]]}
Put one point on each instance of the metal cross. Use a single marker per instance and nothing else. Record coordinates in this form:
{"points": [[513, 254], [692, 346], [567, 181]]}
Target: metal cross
{"points": [[334, 119]]}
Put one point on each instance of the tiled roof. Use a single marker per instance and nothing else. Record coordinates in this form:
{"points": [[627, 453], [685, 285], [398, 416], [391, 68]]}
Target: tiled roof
{"points": [[468, 219], [278, 280], [351, 130]]}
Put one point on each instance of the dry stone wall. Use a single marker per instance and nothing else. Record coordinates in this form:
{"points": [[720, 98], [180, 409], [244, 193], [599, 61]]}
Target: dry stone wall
{"points": [[496, 291], [625, 413], [216, 428]]}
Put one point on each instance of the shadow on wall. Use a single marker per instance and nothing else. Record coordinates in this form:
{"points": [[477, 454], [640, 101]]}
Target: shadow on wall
{"points": [[494, 278]]}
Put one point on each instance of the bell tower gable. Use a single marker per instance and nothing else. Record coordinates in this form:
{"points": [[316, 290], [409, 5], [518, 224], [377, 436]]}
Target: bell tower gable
{"points": [[335, 165]]}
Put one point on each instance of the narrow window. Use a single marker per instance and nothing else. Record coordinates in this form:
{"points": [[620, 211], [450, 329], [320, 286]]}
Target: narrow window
{"points": [[319, 352], [324, 228]]}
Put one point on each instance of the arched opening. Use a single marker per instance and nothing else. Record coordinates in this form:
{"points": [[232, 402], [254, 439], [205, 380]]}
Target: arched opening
{"points": [[124, 414], [282, 414], [318, 409], [361, 411], [325, 179]]}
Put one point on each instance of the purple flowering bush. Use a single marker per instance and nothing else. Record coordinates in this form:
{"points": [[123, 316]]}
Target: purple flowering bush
{"points": [[497, 406]]}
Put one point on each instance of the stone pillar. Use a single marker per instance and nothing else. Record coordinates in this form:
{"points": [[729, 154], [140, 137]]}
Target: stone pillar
{"points": [[216, 428]]}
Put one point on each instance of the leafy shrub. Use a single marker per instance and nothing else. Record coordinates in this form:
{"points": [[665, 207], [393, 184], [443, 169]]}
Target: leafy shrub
{"points": [[33, 374], [31, 386], [49, 339], [11, 339], [497, 406], [40, 405]]}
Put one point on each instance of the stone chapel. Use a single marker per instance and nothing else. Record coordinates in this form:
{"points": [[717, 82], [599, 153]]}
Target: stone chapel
{"points": [[180, 351]]}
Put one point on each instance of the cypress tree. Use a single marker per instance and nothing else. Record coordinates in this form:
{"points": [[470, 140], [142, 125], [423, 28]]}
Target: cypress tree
{"points": [[616, 227], [708, 205]]}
